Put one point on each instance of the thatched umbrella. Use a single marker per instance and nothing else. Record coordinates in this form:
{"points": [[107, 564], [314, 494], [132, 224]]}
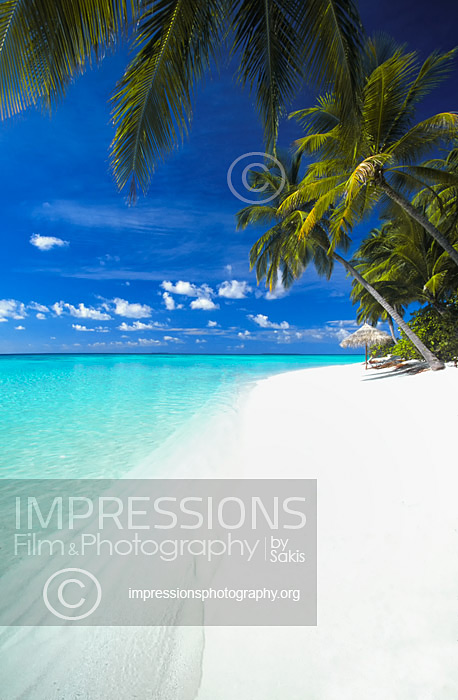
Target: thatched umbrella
{"points": [[366, 336]]}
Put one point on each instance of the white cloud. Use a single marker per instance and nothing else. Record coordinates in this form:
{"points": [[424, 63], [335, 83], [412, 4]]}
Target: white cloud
{"points": [[47, 242], [77, 327], [244, 334], [203, 303], [38, 307], [203, 294], [97, 329], [232, 289], [172, 339], [128, 310], [276, 293], [170, 303], [146, 341], [332, 331], [80, 311], [10, 308], [41, 316], [212, 324], [200, 340], [264, 322], [185, 288], [19, 328], [282, 336], [343, 324], [58, 308], [131, 343], [342, 334], [139, 326]]}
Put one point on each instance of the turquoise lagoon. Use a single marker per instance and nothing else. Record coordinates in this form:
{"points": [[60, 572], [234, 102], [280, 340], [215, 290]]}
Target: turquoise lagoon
{"points": [[99, 416]]}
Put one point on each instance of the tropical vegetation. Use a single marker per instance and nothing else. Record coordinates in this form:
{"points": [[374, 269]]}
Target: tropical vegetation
{"points": [[356, 164], [407, 267], [402, 261], [440, 331], [352, 165], [283, 252]]}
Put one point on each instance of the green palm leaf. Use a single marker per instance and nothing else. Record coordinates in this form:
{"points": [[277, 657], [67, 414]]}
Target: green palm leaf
{"points": [[357, 164], [153, 102], [45, 43], [266, 38]]}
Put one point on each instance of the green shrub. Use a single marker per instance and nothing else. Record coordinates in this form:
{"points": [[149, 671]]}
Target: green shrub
{"points": [[439, 332]]}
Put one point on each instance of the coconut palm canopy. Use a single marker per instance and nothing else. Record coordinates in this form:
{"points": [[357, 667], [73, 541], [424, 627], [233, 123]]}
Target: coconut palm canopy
{"points": [[283, 249], [366, 335]]}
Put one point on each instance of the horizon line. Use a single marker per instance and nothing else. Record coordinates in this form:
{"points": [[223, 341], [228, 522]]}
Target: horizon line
{"points": [[193, 354]]}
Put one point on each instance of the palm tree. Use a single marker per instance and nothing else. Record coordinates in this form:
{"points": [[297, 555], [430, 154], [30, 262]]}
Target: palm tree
{"points": [[277, 43], [404, 264], [285, 249], [440, 202], [358, 164], [370, 311]]}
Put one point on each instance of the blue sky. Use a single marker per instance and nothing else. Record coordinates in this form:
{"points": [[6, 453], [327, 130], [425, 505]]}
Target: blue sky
{"points": [[170, 274]]}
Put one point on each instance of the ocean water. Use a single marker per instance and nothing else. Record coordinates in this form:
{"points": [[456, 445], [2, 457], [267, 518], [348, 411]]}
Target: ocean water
{"points": [[99, 416]]}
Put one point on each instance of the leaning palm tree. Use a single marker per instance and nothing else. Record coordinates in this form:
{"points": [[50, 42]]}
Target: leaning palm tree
{"points": [[380, 156], [284, 249], [278, 44], [370, 311]]}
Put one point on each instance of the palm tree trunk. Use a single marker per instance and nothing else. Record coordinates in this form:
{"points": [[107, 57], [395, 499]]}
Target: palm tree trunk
{"points": [[430, 358], [420, 218], [391, 326]]}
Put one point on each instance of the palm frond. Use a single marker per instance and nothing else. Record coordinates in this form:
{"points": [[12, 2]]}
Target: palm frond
{"points": [[433, 71], [44, 44], [321, 118], [383, 96], [309, 190], [265, 36], [378, 49], [315, 142], [331, 35], [414, 144], [153, 102], [255, 214]]}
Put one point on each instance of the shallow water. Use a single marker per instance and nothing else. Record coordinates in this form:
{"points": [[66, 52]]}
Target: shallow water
{"points": [[87, 416]]}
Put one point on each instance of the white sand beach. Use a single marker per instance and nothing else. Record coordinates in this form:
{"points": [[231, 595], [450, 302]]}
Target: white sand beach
{"points": [[382, 447]]}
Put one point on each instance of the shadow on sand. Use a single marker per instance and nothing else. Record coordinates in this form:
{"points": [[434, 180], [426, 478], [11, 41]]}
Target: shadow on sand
{"points": [[401, 368]]}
